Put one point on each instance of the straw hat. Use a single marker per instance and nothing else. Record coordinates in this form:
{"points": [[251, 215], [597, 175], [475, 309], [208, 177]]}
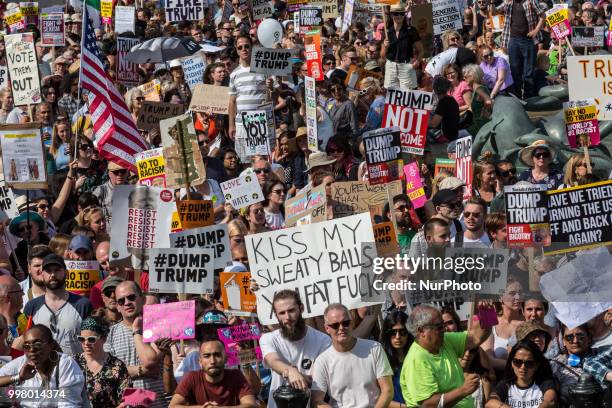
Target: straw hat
{"points": [[318, 159], [526, 153]]}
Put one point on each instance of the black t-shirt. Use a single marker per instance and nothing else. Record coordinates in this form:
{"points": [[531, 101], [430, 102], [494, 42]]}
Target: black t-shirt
{"points": [[515, 396], [400, 48], [448, 108], [519, 26]]}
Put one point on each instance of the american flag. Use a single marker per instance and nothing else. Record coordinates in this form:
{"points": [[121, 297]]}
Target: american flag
{"points": [[117, 137]]}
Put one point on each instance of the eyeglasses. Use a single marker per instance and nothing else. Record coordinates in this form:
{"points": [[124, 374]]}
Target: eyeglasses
{"points": [[336, 326], [585, 165], [507, 172], [329, 63], [34, 346], [397, 332], [577, 336], [119, 172], [265, 170], [436, 326], [243, 47], [467, 214], [517, 362], [88, 339], [139, 98], [542, 155], [85, 146], [42, 207], [131, 298]]}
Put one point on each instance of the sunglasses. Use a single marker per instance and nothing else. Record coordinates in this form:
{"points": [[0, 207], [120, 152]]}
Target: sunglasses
{"points": [[468, 214], [397, 332], [517, 362], [487, 55], [85, 146], [122, 300], [578, 337], [88, 339], [243, 47], [118, 172], [109, 293], [24, 229], [35, 346], [507, 173], [42, 207], [336, 326], [265, 170], [542, 155], [139, 98]]}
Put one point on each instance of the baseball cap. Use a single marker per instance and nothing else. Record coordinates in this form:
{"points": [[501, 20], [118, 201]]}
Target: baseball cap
{"points": [[53, 259], [451, 183], [444, 196], [80, 242]]}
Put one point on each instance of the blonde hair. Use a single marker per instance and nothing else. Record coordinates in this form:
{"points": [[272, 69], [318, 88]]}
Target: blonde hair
{"points": [[569, 176], [59, 244], [236, 227], [446, 35], [84, 217], [371, 82], [56, 142]]}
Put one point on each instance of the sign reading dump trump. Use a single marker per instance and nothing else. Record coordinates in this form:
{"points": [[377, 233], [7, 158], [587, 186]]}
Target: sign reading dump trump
{"points": [[181, 270], [322, 262], [271, 61]]}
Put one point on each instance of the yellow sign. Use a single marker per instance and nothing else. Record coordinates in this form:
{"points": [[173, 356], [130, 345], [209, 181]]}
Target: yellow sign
{"points": [[81, 276], [106, 10], [150, 165], [175, 226], [13, 18], [580, 114]]}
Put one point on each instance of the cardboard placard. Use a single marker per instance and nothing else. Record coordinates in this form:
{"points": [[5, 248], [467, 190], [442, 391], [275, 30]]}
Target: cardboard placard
{"points": [[354, 197], [125, 19], [3, 76], [463, 164], [386, 239], [52, 30], [422, 20], [588, 36], [195, 213], [383, 154], [23, 68], [238, 299], [150, 165], [271, 61], [127, 71], [175, 321], [444, 164], [151, 90], [409, 110], [177, 10], [81, 276], [329, 7], [261, 9], [446, 16], [347, 16], [183, 158], [7, 199], [581, 119], [152, 113], [307, 207], [210, 99], [181, 270], [242, 191], [214, 237], [193, 70], [255, 124], [23, 156], [240, 343]]}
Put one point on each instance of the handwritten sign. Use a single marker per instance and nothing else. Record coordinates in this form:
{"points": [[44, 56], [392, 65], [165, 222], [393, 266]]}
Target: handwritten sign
{"points": [[23, 68], [242, 191], [210, 99], [271, 61], [239, 343], [152, 112], [193, 70]]}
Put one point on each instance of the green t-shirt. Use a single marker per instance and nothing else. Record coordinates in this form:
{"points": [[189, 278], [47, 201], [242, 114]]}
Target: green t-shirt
{"points": [[404, 240], [424, 374]]}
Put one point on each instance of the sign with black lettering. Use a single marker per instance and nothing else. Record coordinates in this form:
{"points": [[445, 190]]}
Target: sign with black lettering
{"points": [[242, 191], [256, 126], [322, 261], [409, 110], [588, 36], [271, 61], [7, 199], [23, 68], [3, 76], [329, 7], [261, 9], [152, 112], [446, 16], [463, 164], [383, 155], [127, 71], [184, 10], [310, 16], [52, 30], [527, 216], [81, 276], [181, 270], [580, 217], [214, 237], [489, 268]]}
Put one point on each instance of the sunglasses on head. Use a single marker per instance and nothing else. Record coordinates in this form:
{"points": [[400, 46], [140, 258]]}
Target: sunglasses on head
{"points": [[336, 326], [542, 155], [396, 332], [122, 300], [520, 363], [265, 170], [577, 336], [88, 339]]}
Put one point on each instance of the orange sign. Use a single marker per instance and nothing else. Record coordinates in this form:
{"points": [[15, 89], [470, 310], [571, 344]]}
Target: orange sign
{"points": [[195, 213], [237, 297]]}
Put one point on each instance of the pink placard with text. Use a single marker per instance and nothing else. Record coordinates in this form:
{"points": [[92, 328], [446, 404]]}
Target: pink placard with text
{"points": [[414, 185]]}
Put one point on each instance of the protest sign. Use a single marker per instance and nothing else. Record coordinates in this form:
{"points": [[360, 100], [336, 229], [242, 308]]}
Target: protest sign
{"points": [[178, 10], [321, 261], [150, 165], [256, 127], [149, 212], [242, 191], [414, 185], [23, 68], [106, 11], [193, 70], [52, 30], [175, 225], [294, 5], [7, 199], [306, 207], [183, 158], [588, 36], [23, 156], [271, 61], [386, 239], [151, 90], [312, 44], [444, 164], [125, 19], [3, 76], [127, 71], [497, 22], [463, 164], [354, 197], [195, 213], [14, 19], [29, 11], [580, 217], [383, 155], [347, 17], [210, 99], [581, 123], [446, 16], [175, 321], [409, 110], [590, 76], [238, 300], [557, 19], [51, 6], [609, 35], [240, 343], [329, 7], [527, 216], [311, 113], [310, 16], [81, 276], [152, 113], [261, 9], [214, 237], [182, 270]]}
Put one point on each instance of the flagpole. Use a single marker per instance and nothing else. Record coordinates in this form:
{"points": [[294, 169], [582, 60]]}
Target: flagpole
{"points": [[79, 102]]}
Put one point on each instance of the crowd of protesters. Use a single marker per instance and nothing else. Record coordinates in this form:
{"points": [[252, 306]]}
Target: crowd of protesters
{"points": [[58, 348]]}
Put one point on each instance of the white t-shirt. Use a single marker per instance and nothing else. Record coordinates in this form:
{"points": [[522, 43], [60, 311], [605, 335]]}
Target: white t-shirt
{"points": [[483, 241], [300, 354], [350, 378], [516, 396], [437, 63]]}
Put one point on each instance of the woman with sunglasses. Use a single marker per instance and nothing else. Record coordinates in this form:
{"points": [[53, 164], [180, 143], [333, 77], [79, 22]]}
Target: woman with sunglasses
{"points": [[539, 156], [372, 102], [401, 40], [527, 381], [575, 170], [344, 113], [88, 170], [346, 165], [497, 75], [106, 377], [568, 366], [44, 374], [275, 195], [396, 340]]}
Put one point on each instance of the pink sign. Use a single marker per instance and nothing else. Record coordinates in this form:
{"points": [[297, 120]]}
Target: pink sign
{"points": [[414, 185], [241, 343], [175, 321], [562, 30]]}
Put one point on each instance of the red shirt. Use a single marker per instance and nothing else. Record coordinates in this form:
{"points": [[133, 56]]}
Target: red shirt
{"points": [[196, 390]]}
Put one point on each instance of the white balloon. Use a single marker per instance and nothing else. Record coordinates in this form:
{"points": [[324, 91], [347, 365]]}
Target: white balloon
{"points": [[270, 32]]}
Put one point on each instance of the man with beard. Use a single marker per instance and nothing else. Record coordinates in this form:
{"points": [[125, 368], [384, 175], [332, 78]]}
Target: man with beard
{"points": [[403, 220], [213, 384], [474, 215], [35, 286], [58, 309], [291, 350]]}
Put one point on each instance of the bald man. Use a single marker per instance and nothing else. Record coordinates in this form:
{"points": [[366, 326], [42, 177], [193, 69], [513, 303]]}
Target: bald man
{"points": [[95, 295], [11, 303]]}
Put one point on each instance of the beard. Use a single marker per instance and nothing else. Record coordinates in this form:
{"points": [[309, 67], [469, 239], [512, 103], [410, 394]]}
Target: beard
{"points": [[295, 332], [55, 284], [404, 223], [38, 282]]}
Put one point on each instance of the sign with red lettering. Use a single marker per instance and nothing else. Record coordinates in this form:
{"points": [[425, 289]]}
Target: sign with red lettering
{"points": [[581, 123], [464, 164], [383, 155], [409, 110], [312, 42]]}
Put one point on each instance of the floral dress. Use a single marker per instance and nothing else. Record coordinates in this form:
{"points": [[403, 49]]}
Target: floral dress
{"points": [[105, 389]]}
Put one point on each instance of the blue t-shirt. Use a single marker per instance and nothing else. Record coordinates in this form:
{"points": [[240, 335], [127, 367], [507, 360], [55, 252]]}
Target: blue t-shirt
{"points": [[61, 158]]}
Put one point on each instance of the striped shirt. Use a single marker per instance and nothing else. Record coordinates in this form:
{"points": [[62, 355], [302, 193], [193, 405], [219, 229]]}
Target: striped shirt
{"points": [[120, 343], [249, 89], [533, 11]]}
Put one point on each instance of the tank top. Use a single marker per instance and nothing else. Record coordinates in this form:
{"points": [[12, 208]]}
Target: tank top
{"points": [[500, 345]]}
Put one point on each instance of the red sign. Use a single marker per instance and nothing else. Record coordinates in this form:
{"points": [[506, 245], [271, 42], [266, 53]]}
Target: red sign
{"points": [[464, 164], [312, 42]]}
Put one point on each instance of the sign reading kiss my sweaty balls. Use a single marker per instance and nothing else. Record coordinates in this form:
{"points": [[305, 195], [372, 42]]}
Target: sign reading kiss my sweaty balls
{"points": [[242, 191]]}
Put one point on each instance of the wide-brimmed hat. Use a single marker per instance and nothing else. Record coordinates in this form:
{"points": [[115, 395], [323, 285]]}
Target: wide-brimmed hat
{"points": [[451, 183], [524, 329], [398, 8], [301, 132], [23, 217], [526, 153], [22, 204], [318, 159]]}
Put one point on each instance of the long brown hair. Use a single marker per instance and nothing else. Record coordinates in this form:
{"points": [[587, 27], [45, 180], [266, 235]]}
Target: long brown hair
{"points": [[56, 142]]}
